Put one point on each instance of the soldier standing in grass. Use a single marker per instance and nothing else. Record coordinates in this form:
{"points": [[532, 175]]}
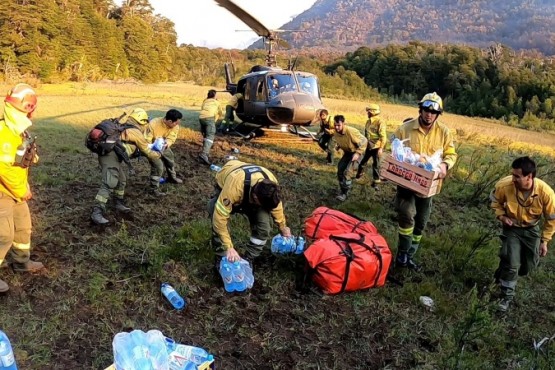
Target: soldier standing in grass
{"points": [[519, 201], [210, 113], [166, 128], [425, 136], [114, 176], [353, 144], [15, 226], [375, 132], [230, 108], [325, 135], [253, 191]]}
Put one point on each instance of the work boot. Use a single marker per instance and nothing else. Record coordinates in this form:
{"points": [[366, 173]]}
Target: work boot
{"points": [[404, 260], [157, 193], [504, 304], [4, 287], [329, 160], [203, 158], [120, 206], [29, 266], [174, 180], [97, 217], [341, 197]]}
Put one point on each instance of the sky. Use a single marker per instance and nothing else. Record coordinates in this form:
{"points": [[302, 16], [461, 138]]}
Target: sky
{"points": [[205, 23]]}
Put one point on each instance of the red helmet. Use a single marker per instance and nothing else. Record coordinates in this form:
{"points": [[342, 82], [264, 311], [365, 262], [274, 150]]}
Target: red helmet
{"points": [[23, 98]]}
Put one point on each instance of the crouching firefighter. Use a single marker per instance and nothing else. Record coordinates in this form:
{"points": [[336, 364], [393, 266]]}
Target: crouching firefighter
{"points": [[18, 152], [128, 141], [253, 191]]}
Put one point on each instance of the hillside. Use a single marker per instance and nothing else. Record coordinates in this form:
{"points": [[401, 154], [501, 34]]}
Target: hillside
{"points": [[347, 24]]}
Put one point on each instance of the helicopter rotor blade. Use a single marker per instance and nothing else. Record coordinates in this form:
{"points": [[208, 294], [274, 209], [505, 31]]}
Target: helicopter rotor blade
{"points": [[248, 19]]}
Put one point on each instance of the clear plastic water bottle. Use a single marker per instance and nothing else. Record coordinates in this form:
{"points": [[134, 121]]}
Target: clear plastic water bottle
{"points": [[159, 144], [184, 353], [249, 277], [300, 245], [283, 245], [7, 359], [215, 168], [397, 150], [175, 299], [230, 158], [239, 277], [235, 150], [226, 272]]}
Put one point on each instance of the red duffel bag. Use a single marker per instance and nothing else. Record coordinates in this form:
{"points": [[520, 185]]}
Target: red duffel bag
{"points": [[325, 221], [348, 262]]}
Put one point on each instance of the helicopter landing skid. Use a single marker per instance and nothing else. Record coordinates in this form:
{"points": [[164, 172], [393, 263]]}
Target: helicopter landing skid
{"points": [[246, 131]]}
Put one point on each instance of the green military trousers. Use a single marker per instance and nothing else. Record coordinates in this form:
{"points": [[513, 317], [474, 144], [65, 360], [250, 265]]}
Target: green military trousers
{"points": [[326, 142], [208, 130], [157, 167], [413, 213], [114, 179], [15, 229], [371, 153], [346, 171], [260, 223], [518, 256]]}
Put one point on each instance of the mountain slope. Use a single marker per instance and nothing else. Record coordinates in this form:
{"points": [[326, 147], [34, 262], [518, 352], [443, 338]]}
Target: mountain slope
{"points": [[347, 24]]}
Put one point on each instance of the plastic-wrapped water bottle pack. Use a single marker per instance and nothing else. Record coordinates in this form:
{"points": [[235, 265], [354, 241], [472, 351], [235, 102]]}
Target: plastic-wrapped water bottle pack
{"points": [[282, 245], [237, 276], [153, 351]]}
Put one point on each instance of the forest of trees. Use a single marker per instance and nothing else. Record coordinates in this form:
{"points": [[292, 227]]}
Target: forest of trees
{"points": [[45, 41], [493, 82]]}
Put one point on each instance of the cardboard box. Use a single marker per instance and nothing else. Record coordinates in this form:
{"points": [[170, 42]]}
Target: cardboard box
{"points": [[425, 183]]}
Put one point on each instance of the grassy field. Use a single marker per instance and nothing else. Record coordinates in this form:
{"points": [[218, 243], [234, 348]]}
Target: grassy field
{"points": [[99, 282]]}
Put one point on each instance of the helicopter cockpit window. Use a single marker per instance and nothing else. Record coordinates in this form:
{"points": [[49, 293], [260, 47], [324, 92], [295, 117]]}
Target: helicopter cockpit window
{"points": [[279, 83], [308, 84], [260, 90]]}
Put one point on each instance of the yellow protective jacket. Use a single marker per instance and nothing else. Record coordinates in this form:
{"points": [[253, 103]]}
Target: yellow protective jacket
{"points": [[506, 200], [211, 108], [159, 129], [133, 139], [234, 100], [376, 133], [13, 179], [326, 126], [351, 140], [231, 180], [439, 137]]}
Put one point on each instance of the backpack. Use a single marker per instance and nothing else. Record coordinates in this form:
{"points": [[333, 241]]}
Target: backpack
{"points": [[324, 222], [105, 137], [348, 262]]}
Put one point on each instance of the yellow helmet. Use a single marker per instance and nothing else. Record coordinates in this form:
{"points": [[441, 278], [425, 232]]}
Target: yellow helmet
{"points": [[432, 101], [140, 115], [375, 108]]}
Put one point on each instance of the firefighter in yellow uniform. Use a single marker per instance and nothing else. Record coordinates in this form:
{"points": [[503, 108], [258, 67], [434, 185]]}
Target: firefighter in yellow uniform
{"points": [[353, 144], [15, 218], [167, 128], [425, 136], [325, 135], [210, 113], [519, 201], [253, 191], [230, 108], [114, 174], [376, 133]]}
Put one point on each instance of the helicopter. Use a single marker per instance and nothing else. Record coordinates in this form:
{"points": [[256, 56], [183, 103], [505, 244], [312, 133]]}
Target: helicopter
{"points": [[273, 96]]}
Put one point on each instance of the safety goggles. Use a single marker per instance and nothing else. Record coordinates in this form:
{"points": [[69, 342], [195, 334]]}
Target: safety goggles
{"points": [[431, 106]]}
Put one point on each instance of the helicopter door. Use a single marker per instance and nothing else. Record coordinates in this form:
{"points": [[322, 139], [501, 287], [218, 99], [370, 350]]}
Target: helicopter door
{"points": [[260, 101]]}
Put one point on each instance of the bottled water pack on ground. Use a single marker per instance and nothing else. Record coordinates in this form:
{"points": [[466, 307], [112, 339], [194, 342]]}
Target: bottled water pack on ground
{"points": [[237, 276], [281, 245], [184, 357], [140, 351]]}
